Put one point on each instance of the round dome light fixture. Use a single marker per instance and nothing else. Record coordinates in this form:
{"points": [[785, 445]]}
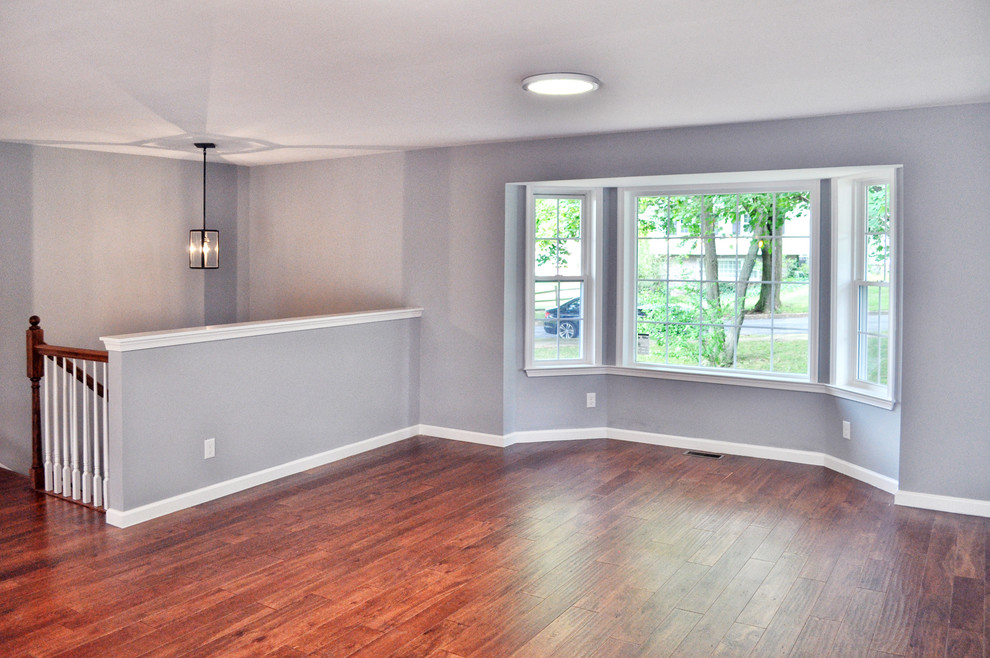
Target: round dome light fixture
{"points": [[561, 84]]}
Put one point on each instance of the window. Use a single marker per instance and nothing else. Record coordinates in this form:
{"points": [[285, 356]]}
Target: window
{"points": [[561, 266], [864, 299], [722, 280], [873, 283]]}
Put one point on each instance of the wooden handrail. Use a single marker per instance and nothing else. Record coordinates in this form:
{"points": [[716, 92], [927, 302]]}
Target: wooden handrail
{"points": [[37, 351], [72, 353]]}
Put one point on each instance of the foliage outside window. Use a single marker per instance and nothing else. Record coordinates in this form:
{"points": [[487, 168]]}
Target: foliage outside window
{"points": [[863, 281], [718, 279], [722, 281], [560, 266], [873, 284]]}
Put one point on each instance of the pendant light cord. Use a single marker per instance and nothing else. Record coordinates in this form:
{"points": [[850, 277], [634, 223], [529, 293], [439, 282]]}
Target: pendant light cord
{"points": [[204, 146], [204, 187]]}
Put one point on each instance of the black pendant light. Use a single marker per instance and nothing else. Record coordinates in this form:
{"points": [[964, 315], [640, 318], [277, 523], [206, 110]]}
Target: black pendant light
{"points": [[204, 244]]}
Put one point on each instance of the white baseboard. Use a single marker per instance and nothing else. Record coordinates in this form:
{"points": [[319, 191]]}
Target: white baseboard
{"points": [[809, 457], [726, 447], [126, 518], [539, 436], [939, 503], [872, 478], [467, 436]]}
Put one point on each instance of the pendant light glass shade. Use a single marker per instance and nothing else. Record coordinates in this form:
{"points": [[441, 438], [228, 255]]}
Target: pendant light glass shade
{"points": [[204, 249], [204, 244]]}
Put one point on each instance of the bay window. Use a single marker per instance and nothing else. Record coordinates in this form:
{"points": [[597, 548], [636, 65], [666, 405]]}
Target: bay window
{"points": [[732, 278]]}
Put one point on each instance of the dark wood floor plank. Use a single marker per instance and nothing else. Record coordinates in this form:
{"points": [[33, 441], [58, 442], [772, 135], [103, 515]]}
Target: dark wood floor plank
{"points": [[431, 641], [636, 627], [854, 636], [766, 600], [546, 641], [611, 608], [964, 644], [780, 536], [787, 624], [968, 554], [738, 642], [429, 547], [670, 633], [816, 638], [967, 604], [613, 648], [722, 572], [875, 575], [843, 581], [712, 627], [901, 604]]}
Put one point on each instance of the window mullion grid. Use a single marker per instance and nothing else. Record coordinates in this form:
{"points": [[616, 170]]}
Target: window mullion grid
{"points": [[775, 246], [708, 320], [557, 301], [667, 318]]}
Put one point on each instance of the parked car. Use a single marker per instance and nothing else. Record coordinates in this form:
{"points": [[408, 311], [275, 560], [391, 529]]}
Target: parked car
{"points": [[557, 321]]}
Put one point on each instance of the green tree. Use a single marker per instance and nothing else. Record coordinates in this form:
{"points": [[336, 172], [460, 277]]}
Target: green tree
{"points": [[700, 222], [558, 230]]}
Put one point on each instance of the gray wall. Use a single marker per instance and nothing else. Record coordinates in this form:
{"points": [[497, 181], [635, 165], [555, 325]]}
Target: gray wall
{"points": [[267, 400], [325, 237], [16, 303], [945, 440], [95, 244], [459, 256], [428, 228]]}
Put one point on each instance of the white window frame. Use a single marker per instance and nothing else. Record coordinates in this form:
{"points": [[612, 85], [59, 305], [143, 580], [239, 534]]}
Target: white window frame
{"points": [[591, 264], [836, 382], [628, 246], [848, 258]]}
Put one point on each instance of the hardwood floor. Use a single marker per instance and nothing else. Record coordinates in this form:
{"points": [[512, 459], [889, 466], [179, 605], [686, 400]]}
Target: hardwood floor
{"points": [[432, 547]]}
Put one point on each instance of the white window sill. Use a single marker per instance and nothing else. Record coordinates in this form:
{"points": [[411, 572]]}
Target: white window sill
{"points": [[707, 378]]}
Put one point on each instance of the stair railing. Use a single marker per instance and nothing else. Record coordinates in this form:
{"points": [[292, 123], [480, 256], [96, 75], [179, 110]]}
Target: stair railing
{"points": [[69, 420]]}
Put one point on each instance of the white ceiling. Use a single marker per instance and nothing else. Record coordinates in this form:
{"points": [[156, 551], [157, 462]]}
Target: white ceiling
{"points": [[272, 81]]}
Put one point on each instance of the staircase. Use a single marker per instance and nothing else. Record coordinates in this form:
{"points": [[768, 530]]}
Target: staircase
{"points": [[69, 420]]}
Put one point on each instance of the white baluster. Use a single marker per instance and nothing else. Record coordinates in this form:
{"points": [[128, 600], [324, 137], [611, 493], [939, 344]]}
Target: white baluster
{"points": [[106, 438], [75, 434], [87, 446], [46, 434], [97, 443], [62, 472]]}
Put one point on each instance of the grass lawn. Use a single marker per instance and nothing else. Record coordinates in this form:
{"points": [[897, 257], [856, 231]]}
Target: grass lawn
{"points": [[793, 299], [790, 354]]}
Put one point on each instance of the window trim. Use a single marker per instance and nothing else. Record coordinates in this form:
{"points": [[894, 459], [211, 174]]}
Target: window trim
{"points": [[591, 264], [627, 255], [848, 220], [813, 176]]}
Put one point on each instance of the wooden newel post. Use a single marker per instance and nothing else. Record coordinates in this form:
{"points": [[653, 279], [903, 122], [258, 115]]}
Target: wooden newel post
{"points": [[35, 371]]}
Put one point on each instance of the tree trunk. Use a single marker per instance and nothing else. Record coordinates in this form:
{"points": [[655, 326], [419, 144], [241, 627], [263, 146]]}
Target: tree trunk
{"points": [[713, 338], [742, 285], [773, 269]]}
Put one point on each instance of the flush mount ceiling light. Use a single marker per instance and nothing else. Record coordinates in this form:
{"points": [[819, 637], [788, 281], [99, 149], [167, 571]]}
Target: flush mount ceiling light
{"points": [[561, 84], [204, 244]]}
